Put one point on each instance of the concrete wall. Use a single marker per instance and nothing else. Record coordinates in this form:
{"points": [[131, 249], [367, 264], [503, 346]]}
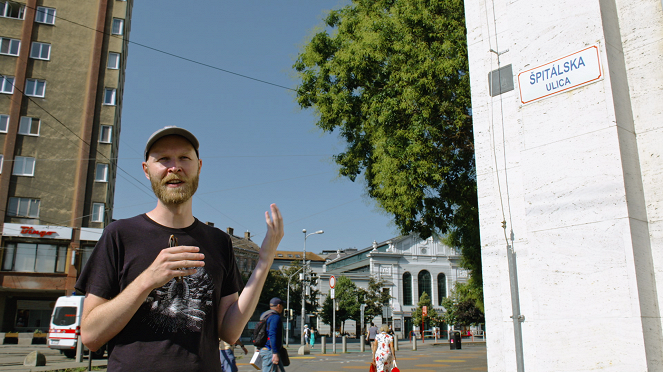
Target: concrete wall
{"points": [[577, 177]]}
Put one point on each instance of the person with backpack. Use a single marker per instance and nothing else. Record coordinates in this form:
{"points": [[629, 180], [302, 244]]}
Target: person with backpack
{"points": [[270, 354], [307, 334]]}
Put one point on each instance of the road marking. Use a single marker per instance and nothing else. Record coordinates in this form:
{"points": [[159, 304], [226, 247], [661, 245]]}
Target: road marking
{"points": [[433, 365]]}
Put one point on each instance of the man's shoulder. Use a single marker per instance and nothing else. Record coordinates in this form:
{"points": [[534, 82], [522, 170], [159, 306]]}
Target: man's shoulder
{"points": [[209, 230], [127, 222]]}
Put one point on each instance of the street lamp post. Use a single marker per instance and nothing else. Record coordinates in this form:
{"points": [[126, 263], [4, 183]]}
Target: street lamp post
{"points": [[304, 273], [287, 317]]}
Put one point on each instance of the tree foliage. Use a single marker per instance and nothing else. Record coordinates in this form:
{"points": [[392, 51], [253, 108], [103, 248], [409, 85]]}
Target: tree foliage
{"points": [[433, 317], [276, 285], [374, 298], [347, 299], [464, 306], [391, 78]]}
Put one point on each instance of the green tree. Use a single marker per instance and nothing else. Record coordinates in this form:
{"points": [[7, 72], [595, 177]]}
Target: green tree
{"points": [[391, 77], [374, 298], [433, 317], [463, 306], [347, 300], [276, 285]]}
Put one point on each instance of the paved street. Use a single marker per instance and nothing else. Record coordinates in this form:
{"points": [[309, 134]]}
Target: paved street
{"points": [[428, 357]]}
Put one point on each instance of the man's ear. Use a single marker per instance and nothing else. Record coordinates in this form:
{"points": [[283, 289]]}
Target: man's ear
{"points": [[147, 174]]}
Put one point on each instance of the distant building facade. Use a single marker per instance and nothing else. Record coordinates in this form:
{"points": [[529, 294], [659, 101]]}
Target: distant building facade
{"points": [[62, 70], [407, 265], [246, 251]]}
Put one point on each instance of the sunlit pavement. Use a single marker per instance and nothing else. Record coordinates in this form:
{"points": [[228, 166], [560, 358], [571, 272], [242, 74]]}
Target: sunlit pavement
{"points": [[428, 357], [12, 357]]}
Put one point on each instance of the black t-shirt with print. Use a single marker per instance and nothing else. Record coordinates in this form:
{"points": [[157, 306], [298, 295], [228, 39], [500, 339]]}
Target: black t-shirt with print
{"points": [[175, 329]]}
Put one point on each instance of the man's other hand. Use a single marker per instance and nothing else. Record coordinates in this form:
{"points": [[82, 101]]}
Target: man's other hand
{"points": [[274, 233]]}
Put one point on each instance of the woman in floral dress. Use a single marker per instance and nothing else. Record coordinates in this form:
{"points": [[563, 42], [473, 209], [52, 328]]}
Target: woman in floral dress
{"points": [[383, 350]]}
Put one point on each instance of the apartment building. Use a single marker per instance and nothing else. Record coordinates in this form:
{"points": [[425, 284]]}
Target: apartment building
{"points": [[62, 66]]}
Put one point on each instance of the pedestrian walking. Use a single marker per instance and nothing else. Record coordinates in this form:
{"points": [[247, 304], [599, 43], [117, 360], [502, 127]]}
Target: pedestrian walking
{"points": [[271, 357], [312, 337], [307, 334], [228, 363], [372, 332], [384, 355]]}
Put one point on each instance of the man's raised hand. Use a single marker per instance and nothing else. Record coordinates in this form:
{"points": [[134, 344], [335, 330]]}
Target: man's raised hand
{"points": [[274, 232]]}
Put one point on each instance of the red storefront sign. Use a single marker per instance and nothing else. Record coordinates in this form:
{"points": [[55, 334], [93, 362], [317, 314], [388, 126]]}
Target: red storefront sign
{"points": [[29, 230]]}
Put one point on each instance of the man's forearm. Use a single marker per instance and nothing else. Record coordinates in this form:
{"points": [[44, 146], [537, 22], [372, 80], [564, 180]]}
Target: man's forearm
{"points": [[106, 318], [239, 313]]}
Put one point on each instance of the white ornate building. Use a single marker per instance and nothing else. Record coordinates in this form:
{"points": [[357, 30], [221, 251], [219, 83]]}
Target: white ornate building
{"points": [[408, 266]]}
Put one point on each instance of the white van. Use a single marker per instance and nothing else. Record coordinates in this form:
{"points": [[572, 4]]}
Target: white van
{"points": [[66, 326]]}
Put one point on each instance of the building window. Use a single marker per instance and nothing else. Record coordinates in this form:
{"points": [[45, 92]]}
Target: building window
{"points": [[31, 257], [441, 287], [6, 84], [97, 212], [9, 46], [118, 26], [40, 51], [28, 126], [105, 134], [35, 87], [24, 166], [11, 9], [85, 254], [45, 15], [23, 207], [101, 174], [407, 289], [109, 96], [113, 60], [4, 123], [424, 284]]}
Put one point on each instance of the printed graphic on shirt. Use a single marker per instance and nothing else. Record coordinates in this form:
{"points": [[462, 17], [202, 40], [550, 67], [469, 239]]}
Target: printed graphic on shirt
{"points": [[180, 306]]}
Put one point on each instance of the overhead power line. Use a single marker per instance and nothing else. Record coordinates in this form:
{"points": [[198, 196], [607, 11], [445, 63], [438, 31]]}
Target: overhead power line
{"points": [[174, 55]]}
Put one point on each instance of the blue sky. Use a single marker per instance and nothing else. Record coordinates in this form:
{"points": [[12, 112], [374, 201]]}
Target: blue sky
{"points": [[257, 146]]}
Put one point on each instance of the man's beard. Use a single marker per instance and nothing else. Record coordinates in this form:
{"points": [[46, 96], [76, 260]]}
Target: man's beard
{"points": [[174, 196]]}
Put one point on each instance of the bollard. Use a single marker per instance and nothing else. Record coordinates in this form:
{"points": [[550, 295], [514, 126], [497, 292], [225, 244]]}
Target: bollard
{"points": [[395, 342], [414, 344], [344, 341], [323, 345], [79, 350], [362, 347]]}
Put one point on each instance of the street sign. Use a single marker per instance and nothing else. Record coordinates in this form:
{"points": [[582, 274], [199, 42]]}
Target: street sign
{"points": [[331, 293], [424, 310], [571, 71], [332, 282]]}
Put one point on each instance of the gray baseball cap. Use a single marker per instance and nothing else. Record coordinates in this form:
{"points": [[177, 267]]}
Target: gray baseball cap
{"points": [[171, 130]]}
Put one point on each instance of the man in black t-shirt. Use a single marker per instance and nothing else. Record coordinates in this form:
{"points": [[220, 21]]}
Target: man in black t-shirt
{"points": [[162, 288]]}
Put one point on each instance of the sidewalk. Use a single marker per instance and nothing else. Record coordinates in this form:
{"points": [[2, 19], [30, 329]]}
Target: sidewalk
{"points": [[429, 357]]}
